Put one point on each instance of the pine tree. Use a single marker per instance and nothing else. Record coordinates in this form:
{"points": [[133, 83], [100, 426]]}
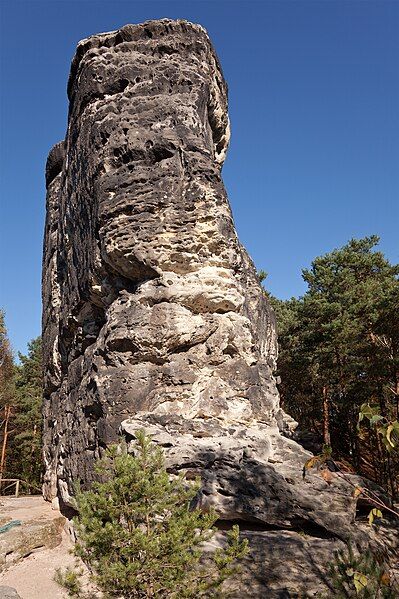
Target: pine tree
{"points": [[21, 413], [7, 396], [141, 536], [27, 442], [339, 349]]}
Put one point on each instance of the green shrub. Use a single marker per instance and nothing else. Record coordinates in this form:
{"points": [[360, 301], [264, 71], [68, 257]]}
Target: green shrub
{"points": [[359, 574], [70, 580], [140, 536]]}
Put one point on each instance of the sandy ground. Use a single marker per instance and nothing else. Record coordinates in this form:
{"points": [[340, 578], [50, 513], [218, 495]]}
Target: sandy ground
{"points": [[33, 576], [25, 508]]}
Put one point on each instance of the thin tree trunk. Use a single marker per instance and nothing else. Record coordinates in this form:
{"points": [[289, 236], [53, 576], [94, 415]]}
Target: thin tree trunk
{"points": [[326, 417], [7, 414], [32, 453], [383, 470], [354, 439]]}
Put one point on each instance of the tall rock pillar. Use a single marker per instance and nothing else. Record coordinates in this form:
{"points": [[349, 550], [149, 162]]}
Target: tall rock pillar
{"points": [[151, 304], [154, 317]]}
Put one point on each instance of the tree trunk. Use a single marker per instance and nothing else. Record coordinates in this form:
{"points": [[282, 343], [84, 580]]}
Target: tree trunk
{"points": [[326, 417], [7, 414]]}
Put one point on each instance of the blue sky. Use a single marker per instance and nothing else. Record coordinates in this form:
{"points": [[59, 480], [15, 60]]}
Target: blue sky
{"points": [[314, 106]]}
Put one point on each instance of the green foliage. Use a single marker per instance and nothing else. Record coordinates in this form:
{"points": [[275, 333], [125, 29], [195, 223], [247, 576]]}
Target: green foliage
{"points": [[140, 535], [359, 574], [374, 513], [21, 399], [6, 366], [7, 397], [27, 441], [262, 276], [339, 349], [387, 429], [70, 580]]}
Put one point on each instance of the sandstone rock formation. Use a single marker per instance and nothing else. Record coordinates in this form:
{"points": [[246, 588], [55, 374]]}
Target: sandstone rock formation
{"points": [[153, 314]]}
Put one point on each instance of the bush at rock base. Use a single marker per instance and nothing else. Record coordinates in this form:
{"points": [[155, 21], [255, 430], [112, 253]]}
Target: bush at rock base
{"points": [[140, 535]]}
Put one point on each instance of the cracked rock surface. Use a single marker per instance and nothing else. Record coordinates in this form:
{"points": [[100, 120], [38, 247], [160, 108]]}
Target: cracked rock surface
{"points": [[153, 314]]}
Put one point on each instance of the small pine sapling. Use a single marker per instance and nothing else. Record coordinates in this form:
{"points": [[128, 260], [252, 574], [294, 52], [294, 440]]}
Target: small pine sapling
{"points": [[140, 535]]}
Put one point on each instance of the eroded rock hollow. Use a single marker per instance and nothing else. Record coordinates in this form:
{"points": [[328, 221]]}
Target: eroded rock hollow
{"points": [[153, 314]]}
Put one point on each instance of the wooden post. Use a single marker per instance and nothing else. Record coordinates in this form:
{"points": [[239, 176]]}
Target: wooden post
{"points": [[17, 488]]}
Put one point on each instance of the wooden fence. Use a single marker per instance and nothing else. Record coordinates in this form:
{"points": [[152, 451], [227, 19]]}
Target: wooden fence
{"points": [[11, 482]]}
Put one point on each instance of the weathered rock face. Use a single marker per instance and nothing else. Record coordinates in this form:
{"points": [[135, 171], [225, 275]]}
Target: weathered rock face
{"points": [[153, 314], [151, 305]]}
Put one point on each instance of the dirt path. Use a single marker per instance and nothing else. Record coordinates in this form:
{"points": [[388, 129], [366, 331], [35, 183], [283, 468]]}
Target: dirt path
{"points": [[33, 576]]}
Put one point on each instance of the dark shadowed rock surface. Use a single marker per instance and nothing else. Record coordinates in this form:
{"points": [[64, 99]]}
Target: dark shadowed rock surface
{"points": [[153, 314]]}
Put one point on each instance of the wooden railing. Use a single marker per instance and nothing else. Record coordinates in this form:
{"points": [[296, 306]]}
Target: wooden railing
{"points": [[17, 482], [12, 482]]}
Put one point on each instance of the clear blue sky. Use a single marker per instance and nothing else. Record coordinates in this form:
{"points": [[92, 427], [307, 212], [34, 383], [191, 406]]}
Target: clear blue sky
{"points": [[314, 105]]}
